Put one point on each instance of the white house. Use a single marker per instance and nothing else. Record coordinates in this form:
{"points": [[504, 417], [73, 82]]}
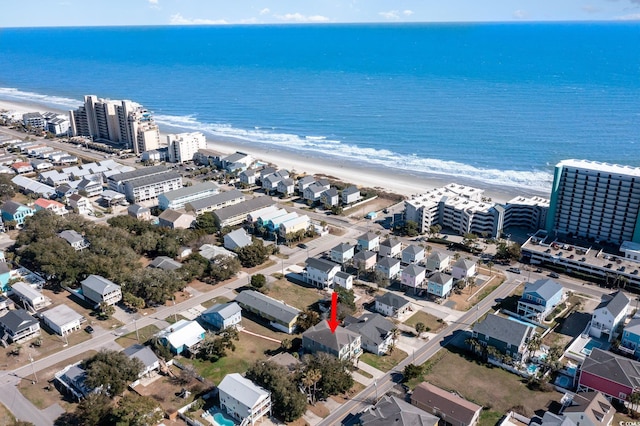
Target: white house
{"points": [[304, 182], [243, 400], [344, 280], [181, 336], [608, 315], [313, 192], [248, 177], [53, 206], [392, 305], [286, 186], [29, 296], [391, 247], [350, 195], [438, 261], [389, 267], [80, 203], [413, 276], [463, 268], [320, 272], [376, 332], [144, 353], [98, 289], [330, 197], [75, 240], [237, 239], [62, 319]]}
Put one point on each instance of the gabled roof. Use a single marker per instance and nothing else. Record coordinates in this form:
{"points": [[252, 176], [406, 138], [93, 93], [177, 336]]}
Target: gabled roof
{"points": [[225, 310], [413, 250], [166, 263], [390, 242], [137, 209], [99, 284], [244, 207], [71, 236], [364, 255], [465, 264], [503, 329], [374, 328], [388, 262], [267, 305], [12, 207], [321, 333], [368, 236], [323, 265], [17, 320], [612, 367], [615, 303], [306, 179], [143, 353], [342, 275], [392, 411], [351, 190], [342, 248], [315, 187], [183, 333], [45, 204], [26, 291], [438, 256], [170, 215], [414, 270], [447, 403], [440, 278], [243, 390], [61, 315], [391, 299], [239, 237], [215, 200], [594, 405], [331, 192], [633, 326], [545, 288]]}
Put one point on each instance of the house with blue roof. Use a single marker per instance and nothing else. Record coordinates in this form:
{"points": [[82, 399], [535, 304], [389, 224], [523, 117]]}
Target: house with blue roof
{"points": [[539, 299]]}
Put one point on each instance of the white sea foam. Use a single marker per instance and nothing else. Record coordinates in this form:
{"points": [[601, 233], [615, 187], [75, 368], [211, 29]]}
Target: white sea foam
{"points": [[12, 94]]}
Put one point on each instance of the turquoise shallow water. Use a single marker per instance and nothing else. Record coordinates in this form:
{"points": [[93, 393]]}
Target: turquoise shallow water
{"points": [[498, 103]]}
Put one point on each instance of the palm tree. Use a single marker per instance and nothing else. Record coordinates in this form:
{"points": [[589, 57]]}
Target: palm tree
{"points": [[420, 328], [634, 399], [471, 282], [490, 265], [534, 343], [395, 333]]}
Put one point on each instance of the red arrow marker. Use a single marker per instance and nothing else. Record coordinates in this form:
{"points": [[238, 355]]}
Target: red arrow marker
{"points": [[333, 322]]}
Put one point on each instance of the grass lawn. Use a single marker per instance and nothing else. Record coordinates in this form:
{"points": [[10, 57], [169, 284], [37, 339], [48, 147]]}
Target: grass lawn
{"points": [[494, 283], [248, 349], [209, 303], [293, 294], [145, 334], [255, 327], [430, 321], [384, 362], [493, 388]]}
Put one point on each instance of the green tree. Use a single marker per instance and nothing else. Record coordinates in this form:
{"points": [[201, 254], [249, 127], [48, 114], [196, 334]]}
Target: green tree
{"points": [[7, 188], [214, 347], [132, 302], [136, 410], [534, 344], [307, 319], [288, 403], [258, 281], [223, 267], [94, 410], [336, 375], [207, 223], [420, 328], [105, 310], [254, 254], [410, 228], [411, 371], [112, 370]]}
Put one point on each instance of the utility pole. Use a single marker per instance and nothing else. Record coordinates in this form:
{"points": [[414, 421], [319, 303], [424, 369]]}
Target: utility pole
{"points": [[135, 324], [33, 368]]}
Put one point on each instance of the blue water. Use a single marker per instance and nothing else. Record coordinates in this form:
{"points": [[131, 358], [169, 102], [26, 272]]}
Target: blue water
{"points": [[498, 103], [222, 420]]}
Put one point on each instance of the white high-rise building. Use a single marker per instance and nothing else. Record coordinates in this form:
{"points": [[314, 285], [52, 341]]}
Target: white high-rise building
{"points": [[123, 123], [183, 146]]}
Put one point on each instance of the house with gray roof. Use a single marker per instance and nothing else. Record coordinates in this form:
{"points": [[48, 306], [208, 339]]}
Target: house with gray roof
{"points": [[75, 240], [369, 241], [342, 253], [210, 252], [280, 315], [350, 195], [342, 343], [439, 284], [313, 192], [62, 319], [30, 186], [14, 211], [223, 315], [389, 267], [508, 336], [539, 298], [215, 202], [609, 315], [248, 177], [238, 213], [286, 186], [590, 408], [237, 239], [615, 376], [391, 410], [17, 327], [178, 198], [463, 268], [139, 212], [343, 280], [412, 254], [413, 276], [451, 408], [29, 297], [73, 379], [92, 186], [320, 272], [630, 341], [376, 332], [243, 400], [390, 247], [98, 289], [175, 220], [330, 197], [365, 260], [438, 261], [392, 305], [145, 355], [165, 263], [304, 182]]}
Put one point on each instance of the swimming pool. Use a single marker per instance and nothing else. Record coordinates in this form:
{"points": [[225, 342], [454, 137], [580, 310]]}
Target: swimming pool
{"points": [[589, 346], [221, 420], [532, 369], [563, 382]]}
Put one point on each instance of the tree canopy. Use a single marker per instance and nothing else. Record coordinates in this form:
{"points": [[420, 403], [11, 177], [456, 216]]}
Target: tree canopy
{"points": [[112, 370], [289, 403]]}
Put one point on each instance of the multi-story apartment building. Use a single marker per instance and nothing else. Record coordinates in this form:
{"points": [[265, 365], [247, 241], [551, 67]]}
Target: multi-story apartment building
{"points": [[146, 183], [596, 201], [124, 123], [179, 198], [183, 146], [528, 212]]}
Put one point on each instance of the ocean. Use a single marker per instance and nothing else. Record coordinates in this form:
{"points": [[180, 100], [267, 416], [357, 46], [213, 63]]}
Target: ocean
{"points": [[496, 103]]}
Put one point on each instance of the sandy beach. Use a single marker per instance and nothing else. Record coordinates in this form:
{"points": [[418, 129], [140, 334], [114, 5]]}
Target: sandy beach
{"points": [[361, 174]]}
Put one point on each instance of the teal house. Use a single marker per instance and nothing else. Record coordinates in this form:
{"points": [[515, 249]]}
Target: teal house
{"points": [[5, 276], [630, 342], [15, 211]]}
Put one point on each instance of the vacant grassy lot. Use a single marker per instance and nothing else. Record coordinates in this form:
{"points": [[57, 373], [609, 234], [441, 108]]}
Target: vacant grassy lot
{"points": [[293, 294], [493, 388], [220, 299], [6, 418], [145, 333], [384, 362], [430, 321]]}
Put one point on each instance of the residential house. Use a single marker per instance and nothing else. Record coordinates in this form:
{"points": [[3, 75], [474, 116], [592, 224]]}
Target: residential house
{"points": [[243, 400], [376, 332], [62, 320], [5, 276], [439, 284], [615, 376], [391, 247], [98, 289], [239, 213], [463, 269], [392, 305], [341, 343], [390, 410], [184, 252], [270, 182], [365, 260], [412, 254], [293, 225], [16, 212], [539, 298], [215, 202], [236, 162], [75, 240], [320, 272], [139, 212], [304, 182], [223, 315], [343, 280], [508, 336], [630, 341], [80, 204], [73, 378], [286, 360], [210, 252], [413, 276], [179, 198], [146, 356], [323, 183], [342, 253], [67, 189], [438, 261], [54, 178], [165, 263], [30, 186], [248, 177], [264, 172], [21, 167], [175, 220], [182, 336], [29, 297], [389, 267], [330, 197], [237, 239], [350, 195], [313, 192], [369, 241], [39, 165], [53, 206], [286, 186], [608, 315], [92, 187], [449, 407], [280, 315], [18, 326], [589, 409]]}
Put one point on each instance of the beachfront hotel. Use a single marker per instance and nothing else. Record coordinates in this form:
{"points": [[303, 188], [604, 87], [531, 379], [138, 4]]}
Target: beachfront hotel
{"points": [[183, 146], [123, 123], [594, 200]]}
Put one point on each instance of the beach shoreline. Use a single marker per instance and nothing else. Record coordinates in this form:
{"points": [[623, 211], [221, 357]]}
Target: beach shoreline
{"points": [[406, 183]]}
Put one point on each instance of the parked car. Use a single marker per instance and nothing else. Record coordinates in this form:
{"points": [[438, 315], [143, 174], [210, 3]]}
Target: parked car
{"points": [[538, 270], [514, 270], [89, 329], [554, 275]]}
